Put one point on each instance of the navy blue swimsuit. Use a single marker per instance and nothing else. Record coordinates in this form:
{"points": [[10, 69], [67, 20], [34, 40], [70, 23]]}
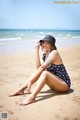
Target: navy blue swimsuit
{"points": [[58, 70]]}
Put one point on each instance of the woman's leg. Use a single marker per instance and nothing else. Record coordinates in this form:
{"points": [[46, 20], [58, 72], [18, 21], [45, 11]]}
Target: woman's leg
{"points": [[51, 80], [31, 80]]}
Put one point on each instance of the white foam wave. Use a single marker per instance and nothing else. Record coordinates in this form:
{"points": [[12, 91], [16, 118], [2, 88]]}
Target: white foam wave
{"points": [[60, 38], [10, 39], [41, 33], [21, 34], [76, 37], [68, 37], [68, 34]]}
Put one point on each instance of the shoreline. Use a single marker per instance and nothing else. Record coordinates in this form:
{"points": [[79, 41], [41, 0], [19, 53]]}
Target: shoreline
{"points": [[24, 50], [24, 46]]}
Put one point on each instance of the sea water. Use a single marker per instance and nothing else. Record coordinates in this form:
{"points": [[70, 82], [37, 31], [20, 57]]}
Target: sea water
{"points": [[23, 40]]}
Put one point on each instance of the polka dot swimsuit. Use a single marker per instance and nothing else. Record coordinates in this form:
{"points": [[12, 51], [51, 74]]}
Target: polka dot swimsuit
{"points": [[59, 70]]}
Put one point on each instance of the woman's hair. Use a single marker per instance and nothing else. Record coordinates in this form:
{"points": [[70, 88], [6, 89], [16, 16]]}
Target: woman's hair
{"points": [[53, 47]]}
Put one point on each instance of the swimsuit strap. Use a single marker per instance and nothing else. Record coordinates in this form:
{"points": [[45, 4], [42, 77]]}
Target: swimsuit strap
{"points": [[44, 57]]}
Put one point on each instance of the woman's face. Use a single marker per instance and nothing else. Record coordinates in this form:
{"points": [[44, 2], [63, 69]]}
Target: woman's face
{"points": [[46, 46]]}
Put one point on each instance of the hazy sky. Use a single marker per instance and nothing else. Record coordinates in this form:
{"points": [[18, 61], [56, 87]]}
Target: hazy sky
{"points": [[39, 14]]}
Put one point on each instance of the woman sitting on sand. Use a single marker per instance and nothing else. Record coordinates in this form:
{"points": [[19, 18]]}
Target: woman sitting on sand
{"points": [[51, 71]]}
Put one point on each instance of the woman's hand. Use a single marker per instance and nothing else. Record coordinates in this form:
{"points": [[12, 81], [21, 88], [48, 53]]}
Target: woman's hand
{"points": [[37, 46]]}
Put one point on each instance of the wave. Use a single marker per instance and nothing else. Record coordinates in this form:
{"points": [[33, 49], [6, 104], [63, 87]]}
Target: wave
{"points": [[68, 35], [41, 33], [10, 39], [76, 37]]}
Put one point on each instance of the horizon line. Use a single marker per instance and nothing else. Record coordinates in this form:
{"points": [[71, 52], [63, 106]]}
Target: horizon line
{"points": [[34, 29]]}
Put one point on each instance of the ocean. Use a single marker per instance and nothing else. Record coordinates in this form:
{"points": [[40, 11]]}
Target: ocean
{"points": [[23, 40]]}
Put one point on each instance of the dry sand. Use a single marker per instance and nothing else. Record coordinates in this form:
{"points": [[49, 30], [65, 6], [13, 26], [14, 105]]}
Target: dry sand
{"points": [[49, 105]]}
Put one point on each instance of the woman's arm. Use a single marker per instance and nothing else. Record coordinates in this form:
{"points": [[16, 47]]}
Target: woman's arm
{"points": [[37, 48], [41, 68], [51, 59]]}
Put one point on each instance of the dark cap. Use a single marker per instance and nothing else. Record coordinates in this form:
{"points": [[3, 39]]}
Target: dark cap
{"points": [[50, 39]]}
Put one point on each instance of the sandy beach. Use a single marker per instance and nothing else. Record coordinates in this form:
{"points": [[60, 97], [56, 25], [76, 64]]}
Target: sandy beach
{"points": [[49, 105]]}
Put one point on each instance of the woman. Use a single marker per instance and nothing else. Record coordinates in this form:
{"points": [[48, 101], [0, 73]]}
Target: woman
{"points": [[51, 71]]}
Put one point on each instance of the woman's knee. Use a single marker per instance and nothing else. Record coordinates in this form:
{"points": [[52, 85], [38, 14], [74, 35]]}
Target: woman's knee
{"points": [[44, 73]]}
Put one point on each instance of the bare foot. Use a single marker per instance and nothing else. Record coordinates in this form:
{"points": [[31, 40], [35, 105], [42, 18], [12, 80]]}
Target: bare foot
{"points": [[19, 92], [27, 101], [28, 91]]}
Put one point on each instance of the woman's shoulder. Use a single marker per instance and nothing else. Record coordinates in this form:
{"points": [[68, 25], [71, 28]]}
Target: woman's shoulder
{"points": [[54, 52]]}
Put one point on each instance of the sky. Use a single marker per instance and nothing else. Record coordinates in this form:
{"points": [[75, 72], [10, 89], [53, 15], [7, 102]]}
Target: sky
{"points": [[39, 14]]}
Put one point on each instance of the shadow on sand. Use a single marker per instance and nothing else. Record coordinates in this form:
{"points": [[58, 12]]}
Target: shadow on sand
{"points": [[50, 93]]}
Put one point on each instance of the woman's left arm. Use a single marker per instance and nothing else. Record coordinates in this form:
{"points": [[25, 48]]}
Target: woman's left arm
{"points": [[51, 58]]}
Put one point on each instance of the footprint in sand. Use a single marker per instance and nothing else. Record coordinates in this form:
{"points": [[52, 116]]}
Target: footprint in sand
{"points": [[11, 112], [17, 102], [66, 118], [1, 106], [76, 99], [57, 116]]}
